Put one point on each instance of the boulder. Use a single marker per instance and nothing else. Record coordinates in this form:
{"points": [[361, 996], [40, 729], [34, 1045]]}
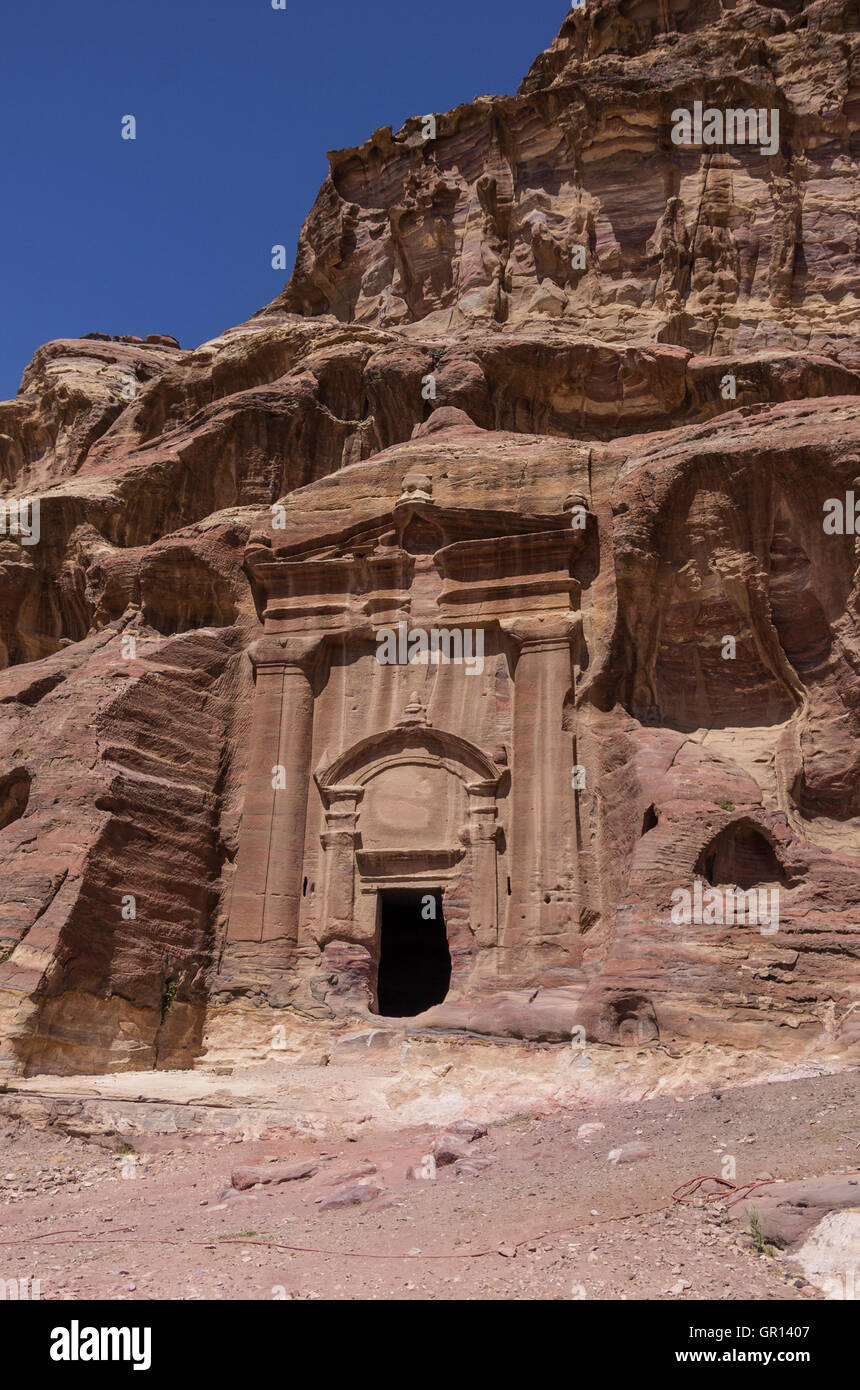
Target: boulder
{"points": [[271, 1174]]}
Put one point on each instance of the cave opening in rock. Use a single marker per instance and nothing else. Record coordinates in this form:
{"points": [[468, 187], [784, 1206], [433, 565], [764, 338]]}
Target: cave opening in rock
{"points": [[14, 795], [414, 960], [740, 855]]}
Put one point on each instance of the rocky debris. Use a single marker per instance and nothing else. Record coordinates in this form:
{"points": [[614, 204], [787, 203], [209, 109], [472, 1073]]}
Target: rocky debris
{"points": [[351, 1195], [360, 1170], [531, 1190], [271, 1174]]}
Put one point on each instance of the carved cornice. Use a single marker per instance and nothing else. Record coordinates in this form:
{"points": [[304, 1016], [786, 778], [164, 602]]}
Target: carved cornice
{"points": [[395, 863]]}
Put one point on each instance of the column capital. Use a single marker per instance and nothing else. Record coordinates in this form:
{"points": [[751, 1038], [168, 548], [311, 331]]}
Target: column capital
{"points": [[339, 798], [288, 650], [483, 826], [542, 632]]}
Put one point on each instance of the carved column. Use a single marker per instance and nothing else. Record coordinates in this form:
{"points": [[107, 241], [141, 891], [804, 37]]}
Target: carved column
{"points": [[483, 832], [340, 840], [542, 910], [267, 891]]}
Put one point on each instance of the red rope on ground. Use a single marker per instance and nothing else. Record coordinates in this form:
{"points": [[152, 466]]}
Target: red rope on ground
{"points": [[690, 1190]]}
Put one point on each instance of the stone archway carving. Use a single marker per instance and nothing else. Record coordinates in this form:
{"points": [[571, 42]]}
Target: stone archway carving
{"points": [[441, 788]]}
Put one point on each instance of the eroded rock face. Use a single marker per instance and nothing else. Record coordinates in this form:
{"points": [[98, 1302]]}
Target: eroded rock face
{"points": [[730, 252], [542, 376]]}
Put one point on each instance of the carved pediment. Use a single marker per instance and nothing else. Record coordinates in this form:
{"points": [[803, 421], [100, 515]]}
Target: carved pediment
{"points": [[410, 743]]}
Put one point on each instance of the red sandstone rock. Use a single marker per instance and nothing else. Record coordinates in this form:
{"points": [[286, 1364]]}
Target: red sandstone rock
{"points": [[448, 1148], [467, 1129], [352, 1195], [271, 1174], [787, 1211], [470, 1167], [360, 1170]]}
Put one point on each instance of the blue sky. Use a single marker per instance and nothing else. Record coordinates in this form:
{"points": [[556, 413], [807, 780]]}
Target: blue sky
{"points": [[236, 105]]}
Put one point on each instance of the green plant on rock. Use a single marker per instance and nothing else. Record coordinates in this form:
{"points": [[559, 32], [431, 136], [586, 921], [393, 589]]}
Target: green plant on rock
{"points": [[756, 1233]]}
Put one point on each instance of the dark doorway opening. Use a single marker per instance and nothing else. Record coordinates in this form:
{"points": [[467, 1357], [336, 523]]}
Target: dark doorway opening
{"points": [[414, 960]]}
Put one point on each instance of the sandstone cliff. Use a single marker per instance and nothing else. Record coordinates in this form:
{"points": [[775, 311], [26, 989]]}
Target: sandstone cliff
{"points": [[671, 333]]}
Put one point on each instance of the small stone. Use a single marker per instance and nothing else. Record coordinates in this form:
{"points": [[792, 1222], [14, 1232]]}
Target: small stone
{"points": [[585, 1131], [470, 1167], [629, 1153], [350, 1196], [468, 1129], [447, 1148]]}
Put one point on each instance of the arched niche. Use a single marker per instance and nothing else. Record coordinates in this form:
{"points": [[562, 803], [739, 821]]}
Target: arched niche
{"points": [[741, 854]]}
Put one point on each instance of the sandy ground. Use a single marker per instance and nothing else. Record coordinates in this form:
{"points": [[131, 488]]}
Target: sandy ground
{"points": [[550, 1217]]}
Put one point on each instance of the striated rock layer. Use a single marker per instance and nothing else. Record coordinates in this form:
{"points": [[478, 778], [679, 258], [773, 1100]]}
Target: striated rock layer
{"points": [[540, 374]]}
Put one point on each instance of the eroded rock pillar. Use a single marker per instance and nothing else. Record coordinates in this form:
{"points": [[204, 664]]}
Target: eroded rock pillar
{"points": [[267, 891]]}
